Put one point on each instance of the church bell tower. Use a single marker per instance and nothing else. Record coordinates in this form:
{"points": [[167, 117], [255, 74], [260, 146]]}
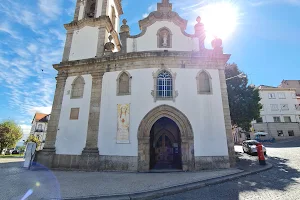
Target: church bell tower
{"points": [[95, 24]]}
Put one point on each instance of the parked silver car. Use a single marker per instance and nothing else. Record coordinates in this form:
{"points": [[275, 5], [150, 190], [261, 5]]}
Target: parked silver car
{"points": [[249, 146]]}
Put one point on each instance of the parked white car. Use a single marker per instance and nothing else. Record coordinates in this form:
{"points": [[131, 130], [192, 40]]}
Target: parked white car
{"points": [[249, 146]]}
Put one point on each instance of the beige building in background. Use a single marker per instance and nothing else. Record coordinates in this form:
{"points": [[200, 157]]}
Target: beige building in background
{"points": [[280, 115], [39, 126]]}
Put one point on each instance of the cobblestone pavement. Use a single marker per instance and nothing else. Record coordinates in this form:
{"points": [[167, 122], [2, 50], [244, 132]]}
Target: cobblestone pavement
{"points": [[282, 182]]}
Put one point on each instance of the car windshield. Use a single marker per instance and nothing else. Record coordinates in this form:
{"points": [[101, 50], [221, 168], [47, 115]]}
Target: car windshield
{"points": [[252, 142]]}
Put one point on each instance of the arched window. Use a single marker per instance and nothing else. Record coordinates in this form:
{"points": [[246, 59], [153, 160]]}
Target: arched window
{"points": [[77, 88], [90, 8], [164, 84], [124, 83], [164, 87], [204, 83], [164, 38]]}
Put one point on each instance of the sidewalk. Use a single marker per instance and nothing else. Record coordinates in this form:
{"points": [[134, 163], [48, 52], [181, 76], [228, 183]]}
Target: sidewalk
{"points": [[47, 184]]}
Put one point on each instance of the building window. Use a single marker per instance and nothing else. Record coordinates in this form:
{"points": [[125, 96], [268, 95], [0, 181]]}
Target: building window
{"points": [[259, 120], [90, 8], [204, 82], [287, 119], [124, 83], [164, 38], [284, 107], [164, 84], [281, 95], [272, 96], [276, 119], [164, 88], [77, 88], [291, 133], [294, 95], [280, 133], [74, 114], [39, 128], [274, 107], [297, 107]]}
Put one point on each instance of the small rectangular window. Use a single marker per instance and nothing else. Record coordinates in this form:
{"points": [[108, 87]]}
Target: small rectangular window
{"points": [[274, 107], [259, 120], [291, 133], [272, 96], [297, 107], [276, 119], [74, 114], [287, 119], [280, 133], [284, 107], [281, 95], [294, 95]]}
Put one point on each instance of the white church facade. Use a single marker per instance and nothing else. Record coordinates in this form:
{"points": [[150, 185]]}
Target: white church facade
{"points": [[156, 100]]}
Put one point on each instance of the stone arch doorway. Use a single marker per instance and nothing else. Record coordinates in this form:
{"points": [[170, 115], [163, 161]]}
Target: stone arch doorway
{"points": [[165, 145], [185, 133]]}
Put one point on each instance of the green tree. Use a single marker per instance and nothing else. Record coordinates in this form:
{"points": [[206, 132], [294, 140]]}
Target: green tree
{"points": [[33, 138], [10, 134], [243, 98]]}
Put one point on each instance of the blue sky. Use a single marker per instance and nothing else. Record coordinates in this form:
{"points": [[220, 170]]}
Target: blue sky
{"points": [[265, 45]]}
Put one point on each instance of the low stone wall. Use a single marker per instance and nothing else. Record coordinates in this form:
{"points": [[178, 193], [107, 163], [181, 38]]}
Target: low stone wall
{"points": [[211, 162], [119, 163], [272, 129]]}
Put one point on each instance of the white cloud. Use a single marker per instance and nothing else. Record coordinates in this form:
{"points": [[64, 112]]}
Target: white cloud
{"points": [[32, 48], [33, 110], [5, 27], [51, 8], [150, 9]]}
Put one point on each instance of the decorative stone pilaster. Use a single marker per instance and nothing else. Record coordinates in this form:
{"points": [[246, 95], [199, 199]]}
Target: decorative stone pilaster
{"points": [[101, 41], [104, 7], [76, 14], [45, 156], [227, 118], [68, 44], [90, 154]]}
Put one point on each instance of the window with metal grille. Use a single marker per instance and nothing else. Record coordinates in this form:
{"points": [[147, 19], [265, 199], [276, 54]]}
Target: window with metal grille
{"points": [[291, 133], [164, 85]]}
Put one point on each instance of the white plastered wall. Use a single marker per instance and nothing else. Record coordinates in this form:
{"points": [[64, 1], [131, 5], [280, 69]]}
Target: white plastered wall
{"points": [[205, 112], [99, 8], [84, 43], [267, 113], [71, 134], [148, 42]]}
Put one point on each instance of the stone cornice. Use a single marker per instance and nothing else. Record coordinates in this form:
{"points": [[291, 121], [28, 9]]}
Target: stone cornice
{"points": [[163, 16], [102, 21], [206, 59], [119, 7]]}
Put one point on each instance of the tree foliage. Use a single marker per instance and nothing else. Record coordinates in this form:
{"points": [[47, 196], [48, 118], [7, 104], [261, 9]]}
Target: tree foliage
{"points": [[10, 134], [33, 138], [243, 98]]}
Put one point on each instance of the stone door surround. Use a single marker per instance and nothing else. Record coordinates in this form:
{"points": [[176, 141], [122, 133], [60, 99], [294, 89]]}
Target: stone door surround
{"points": [[186, 134]]}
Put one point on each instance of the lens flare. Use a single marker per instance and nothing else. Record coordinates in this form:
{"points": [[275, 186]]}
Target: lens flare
{"points": [[220, 18]]}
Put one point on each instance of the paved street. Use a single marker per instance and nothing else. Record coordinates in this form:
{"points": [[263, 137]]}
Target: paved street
{"points": [[281, 182]]}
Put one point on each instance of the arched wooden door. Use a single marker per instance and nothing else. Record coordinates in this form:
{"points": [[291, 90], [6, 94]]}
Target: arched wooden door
{"points": [[165, 145]]}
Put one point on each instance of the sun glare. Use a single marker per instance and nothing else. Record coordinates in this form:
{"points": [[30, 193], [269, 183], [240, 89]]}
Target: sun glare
{"points": [[220, 19]]}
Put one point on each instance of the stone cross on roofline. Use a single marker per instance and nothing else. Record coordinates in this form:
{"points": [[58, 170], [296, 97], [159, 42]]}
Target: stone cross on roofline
{"points": [[165, 6]]}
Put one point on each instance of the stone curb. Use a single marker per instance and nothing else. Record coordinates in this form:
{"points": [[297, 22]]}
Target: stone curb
{"points": [[173, 189]]}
